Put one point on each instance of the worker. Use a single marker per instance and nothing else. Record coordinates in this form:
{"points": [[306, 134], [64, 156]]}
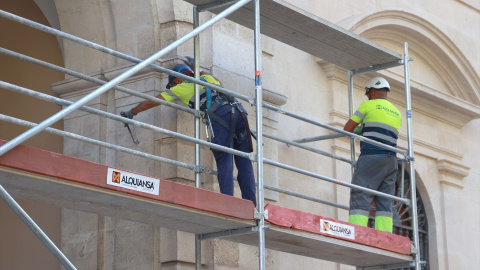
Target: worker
{"points": [[228, 124], [376, 167]]}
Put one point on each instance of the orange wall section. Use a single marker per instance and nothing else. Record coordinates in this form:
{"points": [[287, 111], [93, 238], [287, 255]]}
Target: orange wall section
{"points": [[19, 248], [34, 43]]}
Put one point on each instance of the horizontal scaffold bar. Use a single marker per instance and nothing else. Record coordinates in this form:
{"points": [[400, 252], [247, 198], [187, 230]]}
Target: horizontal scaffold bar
{"points": [[117, 80], [94, 80], [335, 181], [104, 144], [129, 58], [168, 71], [202, 169], [60, 101], [312, 149], [341, 131], [228, 233], [298, 195], [319, 138]]}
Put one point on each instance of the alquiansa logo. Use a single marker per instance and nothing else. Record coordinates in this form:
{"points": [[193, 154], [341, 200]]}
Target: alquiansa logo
{"points": [[117, 177]]}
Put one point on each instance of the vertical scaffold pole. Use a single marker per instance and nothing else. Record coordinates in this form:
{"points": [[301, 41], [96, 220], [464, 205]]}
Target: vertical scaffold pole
{"points": [[196, 48], [198, 179], [259, 116], [36, 229], [413, 189], [350, 113]]}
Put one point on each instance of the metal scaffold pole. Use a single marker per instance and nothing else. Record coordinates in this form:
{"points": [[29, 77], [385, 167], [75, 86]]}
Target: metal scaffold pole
{"points": [[259, 126], [196, 48], [36, 229], [350, 113], [198, 180], [413, 189]]}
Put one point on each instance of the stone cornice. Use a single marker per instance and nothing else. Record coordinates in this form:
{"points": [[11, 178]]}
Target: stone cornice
{"points": [[74, 85], [433, 103], [451, 173], [432, 147], [273, 97], [426, 100]]}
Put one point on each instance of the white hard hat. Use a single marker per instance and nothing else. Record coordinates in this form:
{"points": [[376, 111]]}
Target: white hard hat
{"points": [[377, 83]]}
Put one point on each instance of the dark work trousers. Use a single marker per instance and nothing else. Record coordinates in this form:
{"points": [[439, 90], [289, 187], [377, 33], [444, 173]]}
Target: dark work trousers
{"points": [[245, 177], [377, 172]]}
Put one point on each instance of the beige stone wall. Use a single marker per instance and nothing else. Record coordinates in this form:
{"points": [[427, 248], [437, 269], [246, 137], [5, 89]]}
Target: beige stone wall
{"points": [[443, 39]]}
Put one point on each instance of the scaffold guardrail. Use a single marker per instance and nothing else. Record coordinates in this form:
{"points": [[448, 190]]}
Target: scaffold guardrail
{"points": [[257, 101]]}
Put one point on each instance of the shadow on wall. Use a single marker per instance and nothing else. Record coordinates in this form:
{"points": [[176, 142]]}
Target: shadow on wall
{"points": [[19, 248]]}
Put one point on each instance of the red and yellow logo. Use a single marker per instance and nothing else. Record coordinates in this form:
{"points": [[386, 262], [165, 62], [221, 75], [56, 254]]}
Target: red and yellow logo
{"points": [[116, 177], [325, 226]]}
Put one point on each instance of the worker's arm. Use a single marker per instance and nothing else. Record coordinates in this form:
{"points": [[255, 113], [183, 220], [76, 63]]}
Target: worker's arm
{"points": [[146, 105], [350, 126], [143, 106]]}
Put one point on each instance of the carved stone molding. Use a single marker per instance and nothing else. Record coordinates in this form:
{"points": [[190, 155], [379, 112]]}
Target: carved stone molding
{"points": [[273, 97], [74, 85], [451, 173]]}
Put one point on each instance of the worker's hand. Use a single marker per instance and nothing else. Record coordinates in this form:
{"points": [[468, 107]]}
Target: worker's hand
{"points": [[128, 114], [358, 130]]}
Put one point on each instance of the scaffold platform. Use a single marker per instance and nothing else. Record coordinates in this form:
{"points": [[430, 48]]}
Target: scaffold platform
{"points": [[64, 181], [300, 29]]}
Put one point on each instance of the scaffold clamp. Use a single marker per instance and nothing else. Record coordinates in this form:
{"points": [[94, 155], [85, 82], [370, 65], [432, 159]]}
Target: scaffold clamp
{"points": [[257, 214], [414, 249]]}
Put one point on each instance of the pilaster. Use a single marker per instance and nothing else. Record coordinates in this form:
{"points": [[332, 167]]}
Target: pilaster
{"points": [[451, 175], [99, 242]]}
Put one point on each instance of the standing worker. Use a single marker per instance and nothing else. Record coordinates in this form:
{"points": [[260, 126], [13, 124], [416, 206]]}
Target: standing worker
{"points": [[376, 167], [228, 122]]}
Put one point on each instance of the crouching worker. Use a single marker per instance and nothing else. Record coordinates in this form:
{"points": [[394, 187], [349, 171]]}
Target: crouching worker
{"points": [[376, 167], [228, 122]]}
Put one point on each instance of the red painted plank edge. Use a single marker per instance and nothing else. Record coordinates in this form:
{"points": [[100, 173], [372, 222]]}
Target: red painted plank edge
{"points": [[303, 221], [51, 164]]}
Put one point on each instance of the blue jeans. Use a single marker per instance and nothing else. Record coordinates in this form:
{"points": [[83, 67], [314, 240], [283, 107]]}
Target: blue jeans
{"points": [[245, 177]]}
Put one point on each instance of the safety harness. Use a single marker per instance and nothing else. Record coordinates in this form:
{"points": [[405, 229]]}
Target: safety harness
{"points": [[210, 101]]}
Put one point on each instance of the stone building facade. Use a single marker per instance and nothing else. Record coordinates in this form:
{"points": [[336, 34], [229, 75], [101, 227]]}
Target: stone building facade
{"points": [[444, 41]]}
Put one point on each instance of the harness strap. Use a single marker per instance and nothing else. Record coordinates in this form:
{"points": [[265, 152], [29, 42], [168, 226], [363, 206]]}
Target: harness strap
{"points": [[230, 127], [217, 102], [247, 129]]}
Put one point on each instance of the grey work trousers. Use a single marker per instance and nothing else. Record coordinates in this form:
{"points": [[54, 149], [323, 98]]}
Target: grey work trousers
{"points": [[377, 172]]}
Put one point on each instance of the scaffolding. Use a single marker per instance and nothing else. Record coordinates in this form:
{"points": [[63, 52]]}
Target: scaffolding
{"points": [[320, 38]]}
